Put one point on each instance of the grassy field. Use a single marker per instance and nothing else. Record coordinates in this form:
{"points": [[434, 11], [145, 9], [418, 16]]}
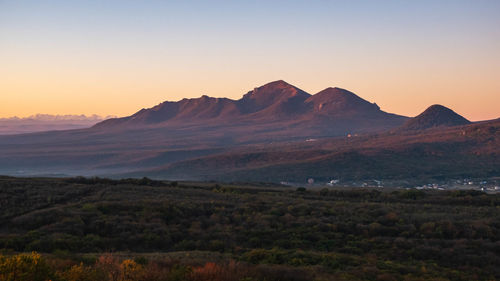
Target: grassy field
{"points": [[246, 232]]}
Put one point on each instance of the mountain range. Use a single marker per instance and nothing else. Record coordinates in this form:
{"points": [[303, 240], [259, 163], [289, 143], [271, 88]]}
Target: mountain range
{"points": [[47, 122], [276, 111], [276, 132]]}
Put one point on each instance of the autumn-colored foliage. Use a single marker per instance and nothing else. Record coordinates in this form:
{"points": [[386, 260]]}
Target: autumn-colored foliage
{"points": [[25, 267], [81, 272], [108, 267], [214, 272]]}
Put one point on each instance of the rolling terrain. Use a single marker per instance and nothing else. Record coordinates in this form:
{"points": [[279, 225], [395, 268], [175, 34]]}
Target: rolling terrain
{"points": [[433, 154]]}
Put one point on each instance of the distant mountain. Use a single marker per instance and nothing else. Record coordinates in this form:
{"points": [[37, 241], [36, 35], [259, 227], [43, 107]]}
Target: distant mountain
{"points": [[433, 117], [47, 122], [51, 117], [278, 109]]}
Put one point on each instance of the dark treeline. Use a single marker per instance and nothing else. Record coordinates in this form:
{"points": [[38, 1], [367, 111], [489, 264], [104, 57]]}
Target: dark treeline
{"points": [[106, 181], [360, 234]]}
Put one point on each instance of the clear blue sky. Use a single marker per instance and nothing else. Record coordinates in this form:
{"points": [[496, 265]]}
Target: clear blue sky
{"points": [[115, 57]]}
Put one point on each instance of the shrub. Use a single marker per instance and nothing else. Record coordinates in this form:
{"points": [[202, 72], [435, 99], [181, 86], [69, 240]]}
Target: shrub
{"points": [[84, 273], [25, 267]]}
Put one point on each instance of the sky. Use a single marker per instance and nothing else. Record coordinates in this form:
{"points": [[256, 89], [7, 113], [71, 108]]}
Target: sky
{"points": [[116, 57]]}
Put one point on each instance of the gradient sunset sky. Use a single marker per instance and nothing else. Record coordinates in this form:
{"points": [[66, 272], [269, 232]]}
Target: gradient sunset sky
{"points": [[116, 57]]}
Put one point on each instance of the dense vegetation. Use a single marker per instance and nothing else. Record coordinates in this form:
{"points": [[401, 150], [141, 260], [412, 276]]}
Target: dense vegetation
{"points": [[318, 234]]}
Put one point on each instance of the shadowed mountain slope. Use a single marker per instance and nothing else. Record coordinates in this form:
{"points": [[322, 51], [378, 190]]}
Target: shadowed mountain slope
{"points": [[456, 152]]}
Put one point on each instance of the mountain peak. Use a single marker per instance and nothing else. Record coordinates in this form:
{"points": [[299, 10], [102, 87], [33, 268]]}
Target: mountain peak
{"points": [[338, 93], [276, 88], [337, 99], [435, 116], [278, 83], [277, 96], [437, 108]]}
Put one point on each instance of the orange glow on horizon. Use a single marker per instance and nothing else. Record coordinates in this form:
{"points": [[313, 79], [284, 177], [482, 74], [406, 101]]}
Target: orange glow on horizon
{"points": [[123, 97], [90, 58]]}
